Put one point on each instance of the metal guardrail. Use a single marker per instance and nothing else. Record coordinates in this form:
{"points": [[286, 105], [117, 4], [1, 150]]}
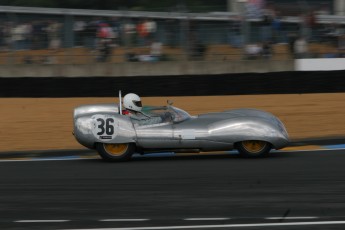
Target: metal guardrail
{"points": [[211, 16]]}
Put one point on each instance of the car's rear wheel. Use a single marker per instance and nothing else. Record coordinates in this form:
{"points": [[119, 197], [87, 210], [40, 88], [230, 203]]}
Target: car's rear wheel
{"points": [[253, 148], [115, 152]]}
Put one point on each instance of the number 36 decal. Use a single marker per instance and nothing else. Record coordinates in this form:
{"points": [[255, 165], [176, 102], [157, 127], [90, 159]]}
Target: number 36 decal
{"points": [[104, 127]]}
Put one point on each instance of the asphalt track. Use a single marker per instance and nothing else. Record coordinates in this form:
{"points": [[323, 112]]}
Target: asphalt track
{"points": [[290, 190]]}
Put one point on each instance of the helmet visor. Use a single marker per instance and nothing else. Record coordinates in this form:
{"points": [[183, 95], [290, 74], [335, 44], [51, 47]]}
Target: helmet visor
{"points": [[137, 103]]}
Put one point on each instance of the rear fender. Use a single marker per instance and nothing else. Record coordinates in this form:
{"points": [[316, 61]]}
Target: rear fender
{"points": [[249, 128]]}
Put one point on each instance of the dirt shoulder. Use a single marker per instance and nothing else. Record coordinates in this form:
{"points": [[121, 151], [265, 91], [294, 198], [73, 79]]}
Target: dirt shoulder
{"points": [[46, 123]]}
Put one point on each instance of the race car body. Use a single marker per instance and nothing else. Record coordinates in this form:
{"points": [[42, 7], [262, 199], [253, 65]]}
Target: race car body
{"points": [[116, 137]]}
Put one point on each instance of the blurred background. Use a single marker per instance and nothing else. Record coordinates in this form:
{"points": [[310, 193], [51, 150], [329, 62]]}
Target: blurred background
{"points": [[206, 56], [83, 32]]}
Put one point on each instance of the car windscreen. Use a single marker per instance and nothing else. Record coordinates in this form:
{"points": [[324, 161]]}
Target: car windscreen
{"points": [[154, 111], [178, 115], [167, 113]]}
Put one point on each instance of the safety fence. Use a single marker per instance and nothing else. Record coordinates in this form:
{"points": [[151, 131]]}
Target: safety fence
{"points": [[150, 37]]}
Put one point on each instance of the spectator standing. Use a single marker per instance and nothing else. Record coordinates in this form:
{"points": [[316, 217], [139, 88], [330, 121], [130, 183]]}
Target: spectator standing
{"points": [[53, 32], [151, 29], [235, 36], [90, 33], [171, 33], [105, 36], [129, 31], [21, 36], [38, 35], [2, 37], [197, 49], [142, 32], [7, 35], [27, 35], [18, 33], [15, 37], [278, 35], [301, 48], [102, 33], [79, 30], [116, 28], [307, 26], [266, 29]]}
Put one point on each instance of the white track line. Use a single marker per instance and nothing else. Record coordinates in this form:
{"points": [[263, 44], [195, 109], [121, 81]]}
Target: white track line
{"points": [[45, 159], [211, 218], [292, 218], [41, 221], [223, 226], [124, 220]]}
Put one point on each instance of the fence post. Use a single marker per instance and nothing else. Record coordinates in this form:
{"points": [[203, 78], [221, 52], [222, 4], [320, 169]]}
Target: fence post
{"points": [[68, 37]]}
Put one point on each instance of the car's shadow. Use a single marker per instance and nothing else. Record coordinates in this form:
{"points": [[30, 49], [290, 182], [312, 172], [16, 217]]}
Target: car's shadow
{"points": [[201, 157]]}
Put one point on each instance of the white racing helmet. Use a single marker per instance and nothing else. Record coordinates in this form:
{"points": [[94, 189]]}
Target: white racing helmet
{"points": [[132, 102]]}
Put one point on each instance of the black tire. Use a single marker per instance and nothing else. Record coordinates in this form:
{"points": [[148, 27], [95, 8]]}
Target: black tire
{"points": [[115, 152], [253, 148]]}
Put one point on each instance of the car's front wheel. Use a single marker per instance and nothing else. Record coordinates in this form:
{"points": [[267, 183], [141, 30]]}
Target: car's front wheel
{"points": [[253, 148], [115, 152]]}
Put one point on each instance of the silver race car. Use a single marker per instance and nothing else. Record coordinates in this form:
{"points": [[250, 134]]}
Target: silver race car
{"points": [[167, 128]]}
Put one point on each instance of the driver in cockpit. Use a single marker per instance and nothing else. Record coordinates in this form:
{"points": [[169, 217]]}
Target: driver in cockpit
{"points": [[132, 103]]}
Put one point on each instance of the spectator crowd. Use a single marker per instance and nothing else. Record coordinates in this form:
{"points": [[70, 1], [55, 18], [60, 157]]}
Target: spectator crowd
{"points": [[298, 37], [38, 34], [103, 35]]}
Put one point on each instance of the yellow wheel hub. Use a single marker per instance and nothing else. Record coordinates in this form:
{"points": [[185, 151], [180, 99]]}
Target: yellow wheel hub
{"points": [[254, 146], [115, 149]]}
